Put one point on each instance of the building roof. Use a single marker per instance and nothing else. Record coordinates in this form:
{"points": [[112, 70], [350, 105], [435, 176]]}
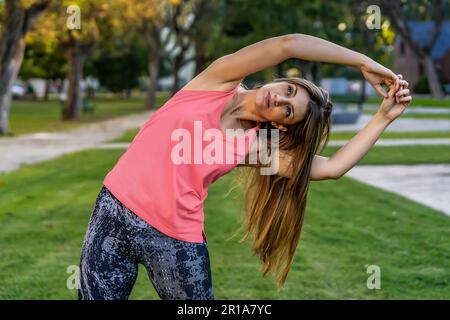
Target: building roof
{"points": [[421, 32]]}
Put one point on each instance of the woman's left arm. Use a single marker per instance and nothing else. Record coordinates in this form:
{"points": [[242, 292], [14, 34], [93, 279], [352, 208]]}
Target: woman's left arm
{"points": [[351, 153]]}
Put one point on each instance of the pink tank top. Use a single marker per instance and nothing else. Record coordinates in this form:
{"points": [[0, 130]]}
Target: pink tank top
{"points": [[169, 194]]}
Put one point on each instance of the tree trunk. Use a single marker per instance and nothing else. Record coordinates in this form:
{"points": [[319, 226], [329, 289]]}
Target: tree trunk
{"points": [[47, 89], [200, 62], [8, 75], [433, 78], [280, 70], [12, 47], [176, 76], [317, 72], [362, 97], [306, 71], [153, 68], [16, 23], [72, 109]]}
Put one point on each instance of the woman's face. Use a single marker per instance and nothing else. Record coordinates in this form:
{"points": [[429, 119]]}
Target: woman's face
{"points": [[282, 102]]}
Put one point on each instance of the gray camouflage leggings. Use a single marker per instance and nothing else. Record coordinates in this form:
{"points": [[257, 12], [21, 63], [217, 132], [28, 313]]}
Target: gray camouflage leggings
{"points": [[117, 240]]}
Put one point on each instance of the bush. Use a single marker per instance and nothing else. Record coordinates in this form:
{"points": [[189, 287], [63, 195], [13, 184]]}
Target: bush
{"points": [[422, 86]]}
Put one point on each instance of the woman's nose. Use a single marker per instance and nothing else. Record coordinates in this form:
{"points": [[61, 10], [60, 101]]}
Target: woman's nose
{"points": [[279, 100]]}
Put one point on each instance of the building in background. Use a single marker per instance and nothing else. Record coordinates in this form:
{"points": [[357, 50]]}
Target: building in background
{"points": [[407, 63]]}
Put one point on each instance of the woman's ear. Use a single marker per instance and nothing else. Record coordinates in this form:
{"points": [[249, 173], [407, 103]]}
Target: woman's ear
{"points": [[278, 126]]}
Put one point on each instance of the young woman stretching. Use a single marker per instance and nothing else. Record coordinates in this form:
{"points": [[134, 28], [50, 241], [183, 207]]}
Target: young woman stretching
{"points": [[150, 207]]}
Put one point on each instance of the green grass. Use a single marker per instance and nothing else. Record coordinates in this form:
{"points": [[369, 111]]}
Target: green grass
{"points": [[347, 135], [418, 101], [127, 136], [45, 116], [46, 208], [402, 154]]}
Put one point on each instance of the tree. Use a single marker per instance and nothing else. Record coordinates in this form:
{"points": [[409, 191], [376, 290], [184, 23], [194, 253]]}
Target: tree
{"points": [[119, 62], [400, 13], [186, 20], [150, 18], [78, 43], [206, 30], [43, 56], [18, 18]]}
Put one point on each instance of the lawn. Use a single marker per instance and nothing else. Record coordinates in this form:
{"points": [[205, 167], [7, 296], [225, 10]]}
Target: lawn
{"points": [[45, 116], [46, 207], [402, 154], [417, 101]]}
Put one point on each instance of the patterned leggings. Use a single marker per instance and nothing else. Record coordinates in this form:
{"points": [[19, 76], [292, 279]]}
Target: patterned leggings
{"points": [[117, 240]]}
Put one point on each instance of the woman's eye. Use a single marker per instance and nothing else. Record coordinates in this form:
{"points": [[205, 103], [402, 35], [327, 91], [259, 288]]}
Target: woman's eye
{"points": [[288, 111], [289, 89]]}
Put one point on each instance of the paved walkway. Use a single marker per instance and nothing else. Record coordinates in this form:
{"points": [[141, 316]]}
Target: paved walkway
{"points": [[424, 183], [406, 124], [413, 110], [399, 142], [37, 147]]}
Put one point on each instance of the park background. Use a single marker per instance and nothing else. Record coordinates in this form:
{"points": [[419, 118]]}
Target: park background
{"points": [[74, 92]]}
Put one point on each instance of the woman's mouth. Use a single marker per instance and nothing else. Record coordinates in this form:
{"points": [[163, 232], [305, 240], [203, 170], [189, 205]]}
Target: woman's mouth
{"points": [[268, 100]]}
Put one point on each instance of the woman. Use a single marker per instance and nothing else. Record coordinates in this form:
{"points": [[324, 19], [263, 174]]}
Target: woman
{"points": [[150, 207]]}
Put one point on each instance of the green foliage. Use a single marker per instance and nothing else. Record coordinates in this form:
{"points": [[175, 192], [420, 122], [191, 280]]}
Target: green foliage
{"points": [[422, 86], [42, 62], [119, 63]]}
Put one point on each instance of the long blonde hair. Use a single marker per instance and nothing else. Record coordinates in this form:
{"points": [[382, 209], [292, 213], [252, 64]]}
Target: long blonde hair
{"points": [[274, 205]]}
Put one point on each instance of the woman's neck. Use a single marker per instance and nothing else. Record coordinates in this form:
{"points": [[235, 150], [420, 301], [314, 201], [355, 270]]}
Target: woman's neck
{"points": [[243, 106]]}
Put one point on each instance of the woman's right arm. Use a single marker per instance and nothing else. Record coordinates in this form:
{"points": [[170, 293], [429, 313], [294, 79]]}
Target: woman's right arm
{"points": [[248, 60], [272, 51]]}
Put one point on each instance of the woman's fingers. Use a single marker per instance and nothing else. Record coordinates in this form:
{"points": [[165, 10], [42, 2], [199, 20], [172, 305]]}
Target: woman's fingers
{"points": [[378, 88], [403, 92], [398, 82], [404, 83], [405, 99]]}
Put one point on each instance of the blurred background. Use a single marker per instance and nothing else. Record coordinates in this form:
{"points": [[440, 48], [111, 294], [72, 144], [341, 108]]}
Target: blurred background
{"points": [[79, 78]]}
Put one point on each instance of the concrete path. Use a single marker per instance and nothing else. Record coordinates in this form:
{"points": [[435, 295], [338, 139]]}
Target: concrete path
{"points": [[399, 142], [427, 184], [37, 147], [413, 110], [398, 125]]}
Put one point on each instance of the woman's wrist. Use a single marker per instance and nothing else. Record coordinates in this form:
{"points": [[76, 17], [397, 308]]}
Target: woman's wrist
{"points": [[381, 119], [363, 61]]}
